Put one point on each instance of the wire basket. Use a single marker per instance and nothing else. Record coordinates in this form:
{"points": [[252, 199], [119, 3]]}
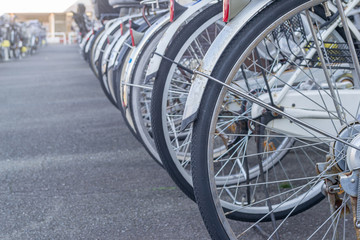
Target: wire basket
{"points": [[294, 33]]}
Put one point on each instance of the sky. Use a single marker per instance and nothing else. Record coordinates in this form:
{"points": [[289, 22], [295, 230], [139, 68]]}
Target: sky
{"points": [[31, 6]]}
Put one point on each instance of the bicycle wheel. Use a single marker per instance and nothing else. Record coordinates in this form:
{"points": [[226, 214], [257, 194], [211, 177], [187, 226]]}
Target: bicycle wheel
{"points": [[277, 89], [106, 58], [83, 44], [100, 39], [112, 32], [116, 60], [93, 45], [117, 74], [104, 43], [103, 68], [88, 45], [170, 91], [110, 66], [139, 92]]}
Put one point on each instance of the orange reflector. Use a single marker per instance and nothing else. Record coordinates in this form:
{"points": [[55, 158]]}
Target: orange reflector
{"points": [[269, 147]]}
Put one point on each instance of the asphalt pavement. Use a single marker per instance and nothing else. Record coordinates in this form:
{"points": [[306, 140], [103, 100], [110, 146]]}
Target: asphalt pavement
{"points": [[70, 168]]}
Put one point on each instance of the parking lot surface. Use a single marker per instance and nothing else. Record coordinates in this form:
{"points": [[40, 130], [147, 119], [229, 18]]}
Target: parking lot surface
{"points": [[70, 168]]}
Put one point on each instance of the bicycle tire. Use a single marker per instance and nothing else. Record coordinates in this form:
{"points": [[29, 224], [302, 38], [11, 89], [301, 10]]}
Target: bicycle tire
{"points": [[211, 208]]}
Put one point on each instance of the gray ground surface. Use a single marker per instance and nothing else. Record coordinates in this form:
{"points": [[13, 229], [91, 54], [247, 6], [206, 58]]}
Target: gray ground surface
{"points": [[69, 167]]}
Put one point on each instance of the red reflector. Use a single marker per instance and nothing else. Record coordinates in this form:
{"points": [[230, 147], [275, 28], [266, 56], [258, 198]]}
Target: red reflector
{"points": [[172, 9], [122, 28], [108, 40], [226, 10], [131, 34]]}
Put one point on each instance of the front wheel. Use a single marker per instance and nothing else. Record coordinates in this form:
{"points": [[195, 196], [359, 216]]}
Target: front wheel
{"points": [[275, 60]]}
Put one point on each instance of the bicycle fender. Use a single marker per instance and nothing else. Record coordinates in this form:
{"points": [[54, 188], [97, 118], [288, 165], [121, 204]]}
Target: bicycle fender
{"points": [[235, 7], [156, 27], [110, 28], [85, 40], [108, 51], [88, 44], [116, 50], [213, 54]]}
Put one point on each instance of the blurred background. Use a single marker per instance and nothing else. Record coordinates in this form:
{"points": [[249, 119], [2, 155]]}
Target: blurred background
{"points": [[55, 16]]}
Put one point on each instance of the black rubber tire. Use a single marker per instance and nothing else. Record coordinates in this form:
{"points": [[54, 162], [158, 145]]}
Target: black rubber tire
{"points": [[204, 196], [158, 92]]}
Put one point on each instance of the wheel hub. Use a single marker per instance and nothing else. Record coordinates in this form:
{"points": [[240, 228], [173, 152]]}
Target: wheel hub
{"points": [[353, 155], [348, 133]]}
